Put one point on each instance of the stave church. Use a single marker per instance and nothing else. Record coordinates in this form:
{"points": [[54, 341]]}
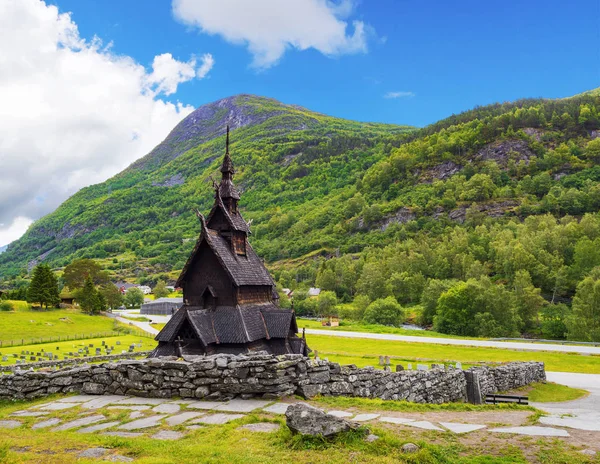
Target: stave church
{"points": [[230, 301]]}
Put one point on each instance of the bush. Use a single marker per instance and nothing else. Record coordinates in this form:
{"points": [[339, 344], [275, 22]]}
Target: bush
{"points": [[6, 306], [385, 311]]}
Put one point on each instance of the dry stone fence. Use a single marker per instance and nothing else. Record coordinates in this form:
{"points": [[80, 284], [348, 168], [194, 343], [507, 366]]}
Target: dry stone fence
{"points": [[263, 375]]}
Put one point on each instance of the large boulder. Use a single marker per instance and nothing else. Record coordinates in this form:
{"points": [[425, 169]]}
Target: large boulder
{"points": [[308, 420]]}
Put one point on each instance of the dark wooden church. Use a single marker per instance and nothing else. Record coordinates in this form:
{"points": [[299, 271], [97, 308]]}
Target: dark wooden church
{"points": [[230, 301]]}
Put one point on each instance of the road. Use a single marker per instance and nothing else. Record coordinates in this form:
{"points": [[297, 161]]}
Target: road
{"points": [[462, 342]]}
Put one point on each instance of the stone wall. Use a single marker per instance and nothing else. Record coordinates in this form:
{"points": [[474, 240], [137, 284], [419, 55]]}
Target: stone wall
{"points": [[222, 376], [509, 376]]}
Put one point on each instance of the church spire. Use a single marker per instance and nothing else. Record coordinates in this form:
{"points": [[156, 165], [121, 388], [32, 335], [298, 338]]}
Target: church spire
{"points": [[227, 167], [227, 190]]}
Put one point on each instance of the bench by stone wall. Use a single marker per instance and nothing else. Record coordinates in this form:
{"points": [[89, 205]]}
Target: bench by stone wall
{"points": [[509, 376], [222, 376]]}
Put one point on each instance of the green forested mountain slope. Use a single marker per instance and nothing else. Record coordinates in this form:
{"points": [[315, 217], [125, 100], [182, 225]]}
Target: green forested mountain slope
{"points": [[286, 157], [487, 211]]}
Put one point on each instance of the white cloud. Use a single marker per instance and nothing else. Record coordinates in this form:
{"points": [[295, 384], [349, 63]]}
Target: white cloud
{"points": [[399, 95], [13, 231], [207, 64], [72, 113], [168, 73], [269, 27]]}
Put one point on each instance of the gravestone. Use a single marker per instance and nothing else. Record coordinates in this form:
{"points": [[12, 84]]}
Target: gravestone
{"points": [[474, 395], [459, 365], [409, 366], [381, 360], [399, 367], [422, 367], [118, 342]]}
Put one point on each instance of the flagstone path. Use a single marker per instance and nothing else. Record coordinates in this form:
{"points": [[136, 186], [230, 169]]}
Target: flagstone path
{"points": [[152, 417]]}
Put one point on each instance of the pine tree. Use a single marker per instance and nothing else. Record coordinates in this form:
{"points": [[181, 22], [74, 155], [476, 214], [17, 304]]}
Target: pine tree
{"points": [[87, 297], [43, 288]]}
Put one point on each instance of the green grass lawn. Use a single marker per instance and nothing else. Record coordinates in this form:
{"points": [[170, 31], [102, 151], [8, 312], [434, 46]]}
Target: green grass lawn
{"points": [[366, 352], [551, 392], [158, 325], [65, 347], [27, 325], [352, 326], [217, 444]]}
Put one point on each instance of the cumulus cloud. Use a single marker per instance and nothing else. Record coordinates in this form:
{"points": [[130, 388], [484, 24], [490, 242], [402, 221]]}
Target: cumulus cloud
{"points": [[72, 112], [269, 27], [399, 95], [207, 64]]}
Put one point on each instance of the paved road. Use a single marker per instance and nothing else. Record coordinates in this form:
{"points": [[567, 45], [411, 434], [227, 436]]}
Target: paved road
{"points": [[145, 326], [463, 342], [583, 414]]}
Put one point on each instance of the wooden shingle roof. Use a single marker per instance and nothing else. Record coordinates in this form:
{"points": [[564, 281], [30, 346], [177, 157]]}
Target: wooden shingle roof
{"points": [[228, 324]]}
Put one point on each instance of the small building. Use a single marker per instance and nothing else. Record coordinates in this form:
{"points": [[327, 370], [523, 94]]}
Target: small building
{"points": [[124, 286], [230, 302], [145, 289], [67, 297], [314, 292], [162, 306]]}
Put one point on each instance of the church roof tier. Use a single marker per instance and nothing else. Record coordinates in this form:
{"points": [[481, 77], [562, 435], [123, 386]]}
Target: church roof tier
{"points": [[228, 324], [243, 270]]}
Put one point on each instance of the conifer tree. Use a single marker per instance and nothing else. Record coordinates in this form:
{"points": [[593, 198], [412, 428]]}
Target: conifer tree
{"points": [[88, 298], [43, 288]]}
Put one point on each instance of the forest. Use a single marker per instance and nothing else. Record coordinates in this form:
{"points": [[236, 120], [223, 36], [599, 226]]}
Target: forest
{"points": [[483, 224]]}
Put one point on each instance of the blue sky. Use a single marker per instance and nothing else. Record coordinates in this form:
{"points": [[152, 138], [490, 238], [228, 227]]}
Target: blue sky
{"points": [[452, 55], [102, 82]]}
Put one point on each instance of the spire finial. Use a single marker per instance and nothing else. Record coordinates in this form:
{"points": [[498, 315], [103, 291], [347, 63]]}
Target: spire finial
{"points": [[227, 141]]}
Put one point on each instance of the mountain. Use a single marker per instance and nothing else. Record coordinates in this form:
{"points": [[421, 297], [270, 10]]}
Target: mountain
{"points": [[487, 220], [141, 221], [3, 248]]}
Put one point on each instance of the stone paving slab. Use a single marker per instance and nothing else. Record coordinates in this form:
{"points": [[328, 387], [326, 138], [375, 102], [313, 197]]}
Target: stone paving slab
{"points": [[98, 427], [205, 405], [365, 417], [237, 405], [182, 417], [167, 408], [144, 423], [102, 401], [342, 414], [138, 400], [461, 428], [79, 423], [131, 407], [217, 419], [9, 424], [277, 408], [118, 458], [533, 430], [58, 406], [93, 453], [265, 427], [30, 413], [168, 435], [426, 425], [123, 434], [573, 423], [46, 423], [396, 420], [136, 415], [78, 399], [194, 427]]}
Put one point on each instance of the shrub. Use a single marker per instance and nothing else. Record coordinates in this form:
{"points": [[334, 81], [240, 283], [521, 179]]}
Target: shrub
{"points": [[6, 306], [384, 311]]}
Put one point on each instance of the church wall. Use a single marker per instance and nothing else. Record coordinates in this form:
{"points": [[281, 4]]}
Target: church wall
{"points": [[207, 270], [254, 294]]}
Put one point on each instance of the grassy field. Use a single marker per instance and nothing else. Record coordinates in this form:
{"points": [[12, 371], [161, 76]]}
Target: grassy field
{"points": [[351, 326], [26, 324], [366, 352], [72, 346], [229, 444], [551, 392]]}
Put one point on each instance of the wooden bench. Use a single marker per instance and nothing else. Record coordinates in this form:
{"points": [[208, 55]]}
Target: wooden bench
{"points": [[496, 399]]}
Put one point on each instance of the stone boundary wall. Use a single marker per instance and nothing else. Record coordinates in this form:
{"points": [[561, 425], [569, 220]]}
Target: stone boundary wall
{"points": [[258, 375], [508, 376], [71, 361]]}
